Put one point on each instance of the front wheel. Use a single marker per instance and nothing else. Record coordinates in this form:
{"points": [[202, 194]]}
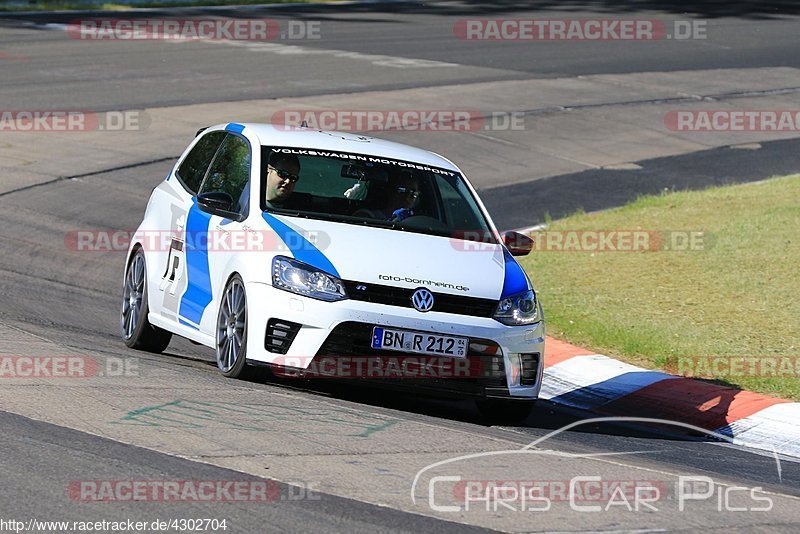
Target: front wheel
{"points": [[502, 411], [231, 339], [137, 332]]}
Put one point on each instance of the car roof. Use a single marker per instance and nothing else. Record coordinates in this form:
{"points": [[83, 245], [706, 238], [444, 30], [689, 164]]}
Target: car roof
{"points": [[270, 135]]}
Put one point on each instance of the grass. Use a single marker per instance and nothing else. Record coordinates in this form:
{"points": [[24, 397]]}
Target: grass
{"points": [[737, 295], [63, 5]]}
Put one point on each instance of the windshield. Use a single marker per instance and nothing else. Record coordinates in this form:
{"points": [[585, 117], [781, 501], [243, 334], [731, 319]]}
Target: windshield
{"points": [[370, 190]]}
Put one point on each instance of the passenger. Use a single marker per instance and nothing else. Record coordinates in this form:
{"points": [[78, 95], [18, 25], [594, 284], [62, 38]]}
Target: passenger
{"points": [[397, 200], [403, 196]]}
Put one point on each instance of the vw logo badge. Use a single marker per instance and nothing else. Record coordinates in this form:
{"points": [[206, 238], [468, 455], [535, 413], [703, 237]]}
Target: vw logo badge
{"points": [[422, 299]]}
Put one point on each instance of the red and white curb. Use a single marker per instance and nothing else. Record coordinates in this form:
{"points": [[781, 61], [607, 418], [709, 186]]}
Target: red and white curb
{"points": [[580, 379]]}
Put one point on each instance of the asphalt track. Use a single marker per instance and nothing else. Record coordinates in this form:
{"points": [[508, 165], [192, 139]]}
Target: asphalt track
{"points": [[68, 301], [124, 75]]}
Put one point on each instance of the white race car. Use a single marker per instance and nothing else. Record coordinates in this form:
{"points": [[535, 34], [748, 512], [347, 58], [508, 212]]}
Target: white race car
{"points": [[329, 254]]}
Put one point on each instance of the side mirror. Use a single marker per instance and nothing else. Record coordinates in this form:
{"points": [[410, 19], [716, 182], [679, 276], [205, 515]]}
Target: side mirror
{"points": [[218, 203], [517, 244]]}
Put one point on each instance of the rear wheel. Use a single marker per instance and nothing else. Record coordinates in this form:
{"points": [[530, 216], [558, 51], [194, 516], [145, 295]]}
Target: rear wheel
{"points": [[231, 335], [504, 411], [137, 332]]}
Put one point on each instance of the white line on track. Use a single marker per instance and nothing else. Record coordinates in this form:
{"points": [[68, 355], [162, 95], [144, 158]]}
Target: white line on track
{"points": [[294, 50]]}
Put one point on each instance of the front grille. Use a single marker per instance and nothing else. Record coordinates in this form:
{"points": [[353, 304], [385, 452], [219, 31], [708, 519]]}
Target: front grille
{"points": [[280, 335], [530, 369], [353, 339], [442, 302]]}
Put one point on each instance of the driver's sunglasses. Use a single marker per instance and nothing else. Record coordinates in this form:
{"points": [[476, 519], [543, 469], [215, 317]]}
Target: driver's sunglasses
{"points": [[285, 175], [408, 191]]}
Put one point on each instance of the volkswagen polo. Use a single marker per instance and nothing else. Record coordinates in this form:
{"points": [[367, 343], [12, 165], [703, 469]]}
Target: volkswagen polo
{"points": [[302, 250]]}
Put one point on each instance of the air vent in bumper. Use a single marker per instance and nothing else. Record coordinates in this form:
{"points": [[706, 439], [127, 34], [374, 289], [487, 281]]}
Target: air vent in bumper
{"points": [[280, 335]]}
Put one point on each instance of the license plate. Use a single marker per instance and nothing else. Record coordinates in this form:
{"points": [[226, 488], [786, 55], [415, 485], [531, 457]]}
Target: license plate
{"points": [[418, 342]]}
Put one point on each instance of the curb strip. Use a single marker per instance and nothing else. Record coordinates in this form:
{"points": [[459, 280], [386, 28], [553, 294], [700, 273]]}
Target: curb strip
{"points": [[580, 379]]}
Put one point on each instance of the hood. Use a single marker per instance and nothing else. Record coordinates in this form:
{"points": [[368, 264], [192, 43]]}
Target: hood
{"points": [[400, 259]]}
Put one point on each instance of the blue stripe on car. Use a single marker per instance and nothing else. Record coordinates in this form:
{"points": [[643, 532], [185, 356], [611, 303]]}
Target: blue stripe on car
{"points": [[515, 280], [197, 296], [235, 128], [302, 249]]}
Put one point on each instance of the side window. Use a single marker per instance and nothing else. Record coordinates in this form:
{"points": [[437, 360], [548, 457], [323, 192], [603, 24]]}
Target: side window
{"points": [[230, 172], [193, 168]]}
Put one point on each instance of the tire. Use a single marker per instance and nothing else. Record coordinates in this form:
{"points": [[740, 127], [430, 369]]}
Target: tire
{"points": [[136, 330], [231, 333], [505, 411]]}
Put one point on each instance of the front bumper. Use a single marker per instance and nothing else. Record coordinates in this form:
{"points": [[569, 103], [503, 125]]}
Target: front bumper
{"points": [[343, 328]]}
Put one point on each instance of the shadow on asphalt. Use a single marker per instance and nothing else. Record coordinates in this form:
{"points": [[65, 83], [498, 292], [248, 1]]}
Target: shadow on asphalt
{"points": [[546, 416]]}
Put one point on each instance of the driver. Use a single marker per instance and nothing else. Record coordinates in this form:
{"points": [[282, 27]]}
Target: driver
{"points": [[283, 172]]}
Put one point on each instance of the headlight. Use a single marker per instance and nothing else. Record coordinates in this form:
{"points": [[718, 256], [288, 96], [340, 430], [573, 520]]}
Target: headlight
{"points": [[518, 309], [297, 277]]}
